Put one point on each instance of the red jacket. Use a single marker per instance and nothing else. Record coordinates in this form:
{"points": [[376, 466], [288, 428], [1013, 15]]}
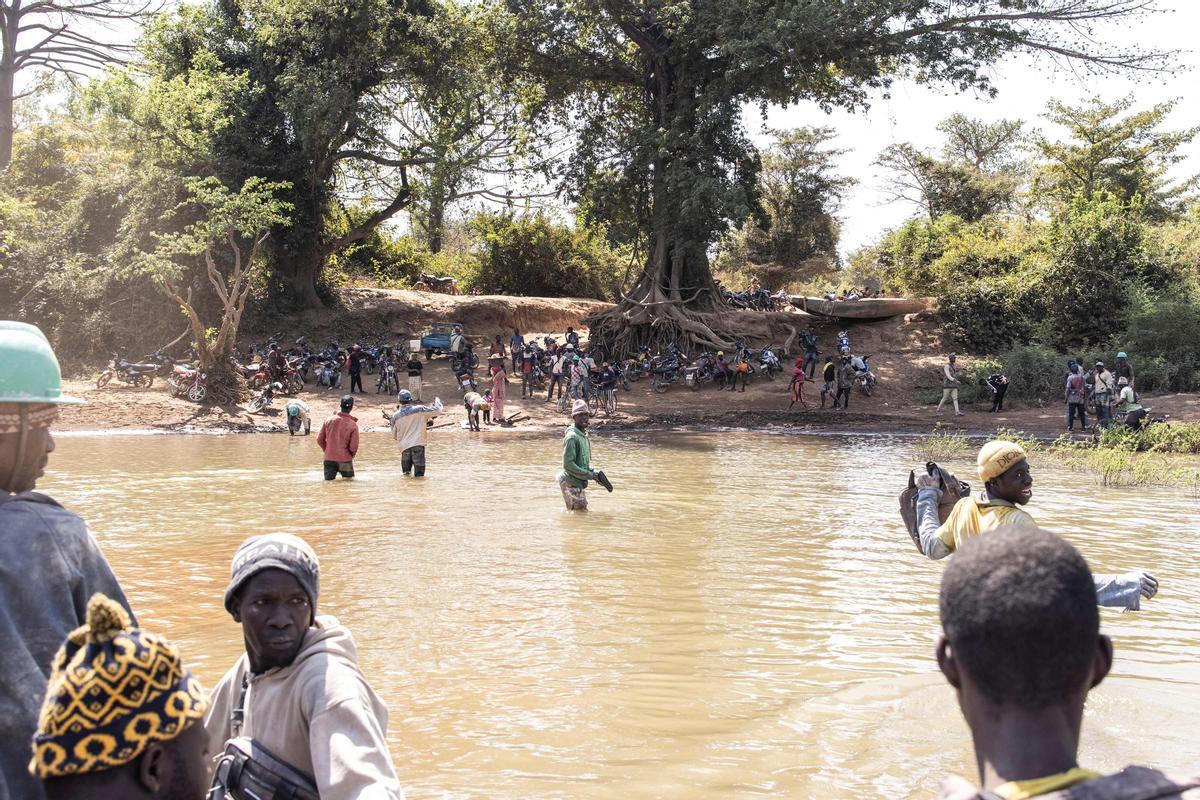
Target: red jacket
{"points": [[339, 437]]}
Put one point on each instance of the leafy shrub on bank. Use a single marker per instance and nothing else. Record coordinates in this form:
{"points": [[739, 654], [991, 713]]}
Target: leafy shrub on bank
{"points": [[1175, 437], [533, 255]]}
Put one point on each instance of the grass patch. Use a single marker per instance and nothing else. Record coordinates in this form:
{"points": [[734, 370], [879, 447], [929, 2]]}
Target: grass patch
{"points": [[941, 444]]}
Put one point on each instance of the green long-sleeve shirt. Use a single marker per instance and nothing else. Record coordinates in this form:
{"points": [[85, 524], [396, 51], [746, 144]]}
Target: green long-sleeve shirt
{"points": [[577, 458]]}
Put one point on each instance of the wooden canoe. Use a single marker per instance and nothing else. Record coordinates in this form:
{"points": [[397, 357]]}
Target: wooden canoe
{"points": [[871, 308]]}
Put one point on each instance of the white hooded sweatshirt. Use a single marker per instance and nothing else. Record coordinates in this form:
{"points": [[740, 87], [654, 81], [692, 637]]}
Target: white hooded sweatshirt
{"points": [[319, 714]]}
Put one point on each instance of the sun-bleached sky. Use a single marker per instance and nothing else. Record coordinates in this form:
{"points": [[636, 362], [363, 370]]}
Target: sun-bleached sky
{"points": [[1025, 86]]}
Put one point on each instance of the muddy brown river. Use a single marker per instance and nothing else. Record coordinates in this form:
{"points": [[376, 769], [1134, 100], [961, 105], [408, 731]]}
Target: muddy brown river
{"points": [[743, 617]]}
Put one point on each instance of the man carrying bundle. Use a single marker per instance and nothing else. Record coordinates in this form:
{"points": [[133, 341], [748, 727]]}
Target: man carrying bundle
{"points": [[1008, 483]]}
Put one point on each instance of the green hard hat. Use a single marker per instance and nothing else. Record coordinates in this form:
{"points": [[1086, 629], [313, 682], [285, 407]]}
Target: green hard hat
{"points": [[29, 371]]}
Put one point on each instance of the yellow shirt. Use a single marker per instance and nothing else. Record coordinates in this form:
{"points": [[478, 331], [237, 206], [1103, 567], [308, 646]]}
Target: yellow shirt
{"points": [[978, 514]]}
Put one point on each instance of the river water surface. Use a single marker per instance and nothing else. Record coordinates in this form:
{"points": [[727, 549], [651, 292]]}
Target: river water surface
{"points": [[744, 617]]}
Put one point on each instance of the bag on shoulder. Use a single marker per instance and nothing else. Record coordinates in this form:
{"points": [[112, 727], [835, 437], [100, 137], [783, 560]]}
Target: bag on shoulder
{"points": [[249, 771], [952, 488]]}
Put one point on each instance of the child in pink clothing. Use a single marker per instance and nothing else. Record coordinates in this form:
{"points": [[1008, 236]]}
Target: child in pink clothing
{"points": [[499, 383]]}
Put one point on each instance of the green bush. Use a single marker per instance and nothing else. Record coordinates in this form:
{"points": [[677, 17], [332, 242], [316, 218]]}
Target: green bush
{"points": [[1176, 437], [986, 316], [532, 255]]}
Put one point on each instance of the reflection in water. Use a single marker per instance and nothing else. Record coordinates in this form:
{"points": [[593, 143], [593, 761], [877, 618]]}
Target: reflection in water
{"points": [[743, 617]]}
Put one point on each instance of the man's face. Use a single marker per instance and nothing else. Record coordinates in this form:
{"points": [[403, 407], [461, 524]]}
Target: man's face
{"points": [[187, 762], [581, 421], [274, 612], [23, 476], [1014, 485]]}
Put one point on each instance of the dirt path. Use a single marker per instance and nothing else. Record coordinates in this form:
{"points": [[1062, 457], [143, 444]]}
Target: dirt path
{"points": [[906, 354]]}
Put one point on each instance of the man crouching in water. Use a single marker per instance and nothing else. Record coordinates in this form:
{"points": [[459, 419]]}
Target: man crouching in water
{"points": [[1007, 484], [1022, 648], [298, 692]]}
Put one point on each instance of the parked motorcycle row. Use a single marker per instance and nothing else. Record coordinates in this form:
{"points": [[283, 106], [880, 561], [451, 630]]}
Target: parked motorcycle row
{"points": [[756, 299]]}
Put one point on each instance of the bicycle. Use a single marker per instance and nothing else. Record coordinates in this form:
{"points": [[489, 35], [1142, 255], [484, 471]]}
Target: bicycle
{"points": [[568, 398], [608, 401]]}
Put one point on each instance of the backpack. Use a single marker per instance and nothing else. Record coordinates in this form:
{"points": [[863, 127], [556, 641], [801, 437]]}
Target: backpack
{"points": [[953, 490]]}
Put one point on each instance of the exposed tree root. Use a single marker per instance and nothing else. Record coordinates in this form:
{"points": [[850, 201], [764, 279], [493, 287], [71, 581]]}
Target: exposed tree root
{"points": [[656, 323]]}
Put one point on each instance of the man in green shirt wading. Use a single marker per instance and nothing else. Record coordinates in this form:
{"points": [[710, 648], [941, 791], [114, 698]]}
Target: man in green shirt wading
{"points": [[577, 457]]}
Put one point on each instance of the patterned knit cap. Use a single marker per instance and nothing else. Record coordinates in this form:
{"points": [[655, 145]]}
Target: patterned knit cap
{"points": [[114, 691]]}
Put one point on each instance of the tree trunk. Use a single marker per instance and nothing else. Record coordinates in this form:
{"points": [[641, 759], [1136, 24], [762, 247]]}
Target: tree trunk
{"points": [[435, 223], [676, 300], [8, 83]]}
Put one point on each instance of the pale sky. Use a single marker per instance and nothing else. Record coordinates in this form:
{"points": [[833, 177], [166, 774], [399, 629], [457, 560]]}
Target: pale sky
{"points": [[1025, 86]]}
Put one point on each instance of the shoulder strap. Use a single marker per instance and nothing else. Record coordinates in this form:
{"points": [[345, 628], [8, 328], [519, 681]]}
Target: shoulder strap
{"points": [[29, 497]]}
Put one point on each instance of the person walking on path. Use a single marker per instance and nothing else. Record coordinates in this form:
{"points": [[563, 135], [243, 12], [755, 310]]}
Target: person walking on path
{"points": [[414, 367], [298, 691], [1076, 396], [51, 563], [1123, 369], [354, 365], [148, 744], [1103, 387], [950, 385], [845, 380], [516, 344], [577, 460], [528, 355], [339, 441], [998, 383], [798, 384], [1007, 484], [410, 430], [829, 381], [1022, 647], [811, 352], [557, 360], [496, 351], [499, 387]]}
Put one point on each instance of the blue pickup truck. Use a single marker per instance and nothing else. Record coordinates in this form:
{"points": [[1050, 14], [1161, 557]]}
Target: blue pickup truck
{"points": [[437, 340]]}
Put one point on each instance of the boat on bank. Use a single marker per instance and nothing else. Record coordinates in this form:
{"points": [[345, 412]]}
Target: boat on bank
{"points": [[868, 308]]}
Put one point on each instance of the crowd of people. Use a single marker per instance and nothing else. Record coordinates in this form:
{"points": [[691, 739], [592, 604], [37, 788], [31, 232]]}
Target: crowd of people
{"points": [[98, 708]]}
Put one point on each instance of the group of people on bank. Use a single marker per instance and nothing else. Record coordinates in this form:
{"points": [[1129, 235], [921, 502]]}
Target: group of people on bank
{"points": [[97, 708]]}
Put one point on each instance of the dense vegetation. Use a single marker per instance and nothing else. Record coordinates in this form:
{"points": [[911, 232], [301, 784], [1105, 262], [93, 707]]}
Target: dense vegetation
{"points": [[370, 132], [1085, 248]]}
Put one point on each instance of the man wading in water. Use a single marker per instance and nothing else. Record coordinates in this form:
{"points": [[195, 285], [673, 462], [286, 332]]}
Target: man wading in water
{"points": [[410, 429], [1007, 483], [298, 692], [577, 461], [1022, 647], [339, 441], [50, 563]]}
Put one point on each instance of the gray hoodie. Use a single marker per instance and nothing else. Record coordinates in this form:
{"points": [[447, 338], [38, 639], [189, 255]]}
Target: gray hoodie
{"points": [[319, 714]]}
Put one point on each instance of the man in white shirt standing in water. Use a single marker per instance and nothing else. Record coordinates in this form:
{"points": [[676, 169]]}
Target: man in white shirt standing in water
{"points": [[410, 429]]}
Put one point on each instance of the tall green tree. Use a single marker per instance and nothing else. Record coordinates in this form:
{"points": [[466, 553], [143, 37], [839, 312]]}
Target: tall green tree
{"points": [[314, 113], [799, 189], [659, 89], [1111, 148]]}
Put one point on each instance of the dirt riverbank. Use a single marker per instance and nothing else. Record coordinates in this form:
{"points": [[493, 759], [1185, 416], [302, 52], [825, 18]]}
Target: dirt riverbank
{"points": [[906, 354]]}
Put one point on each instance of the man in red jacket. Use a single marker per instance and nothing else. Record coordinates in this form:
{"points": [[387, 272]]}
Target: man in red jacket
{"points": [[339, 440]]}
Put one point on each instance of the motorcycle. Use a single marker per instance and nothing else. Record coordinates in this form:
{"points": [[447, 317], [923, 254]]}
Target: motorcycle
{"points": [[863, 374], [387, 382], [665, 369], [188, 382], [138, 375], [703, 371], [466, 361], [769, 362], [260, 403]]}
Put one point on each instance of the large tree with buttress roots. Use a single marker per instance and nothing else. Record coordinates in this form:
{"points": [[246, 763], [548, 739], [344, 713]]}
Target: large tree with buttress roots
{"points": [[657, 90]]}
